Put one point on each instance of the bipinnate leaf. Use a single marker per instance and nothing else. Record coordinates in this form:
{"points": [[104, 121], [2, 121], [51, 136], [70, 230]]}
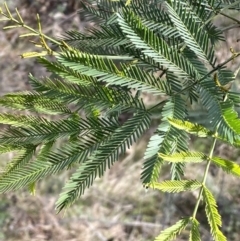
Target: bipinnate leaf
{"points": [[175, 186], [171, 232], [161, 47], [191, 128], [227, 166], [184, 157], [214, 218], [194, 232]]}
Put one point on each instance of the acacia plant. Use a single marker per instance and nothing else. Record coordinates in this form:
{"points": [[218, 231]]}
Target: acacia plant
{"points": [[165, 48]]}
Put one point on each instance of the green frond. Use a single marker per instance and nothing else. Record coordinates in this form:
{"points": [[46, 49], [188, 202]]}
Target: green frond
{"points": [[197, 63], [77, 151], [173, 80], [151, 12], [214, 218], [191, 128], [103, 157], [167, 139], [156, 19], [153, 46], [94, 96], [50, 131], [65, 72], [176, 186], [48, 162], [152, 164], [227, 166], [34, 102], [201, 15], [23, 158], [184, 157], [21, 120], [194, 232], [74, 152], [108, 36], [107, 71], [189, 28], [11, 148], [171, 233], [177, 170], [45, 149], [25, 175], [102, 10], [41, 132]]}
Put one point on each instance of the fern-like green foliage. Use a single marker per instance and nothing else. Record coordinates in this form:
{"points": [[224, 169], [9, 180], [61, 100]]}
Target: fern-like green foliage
{"points": [[163, 48]]}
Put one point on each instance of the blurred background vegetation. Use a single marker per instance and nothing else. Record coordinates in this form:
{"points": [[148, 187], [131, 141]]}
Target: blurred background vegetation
{"points": [[117, 207]]}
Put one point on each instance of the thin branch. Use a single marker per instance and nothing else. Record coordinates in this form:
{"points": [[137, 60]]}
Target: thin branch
{"points": [[232, 18]]}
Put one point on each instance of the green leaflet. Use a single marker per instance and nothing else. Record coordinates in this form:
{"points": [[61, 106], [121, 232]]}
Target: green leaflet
{"points": [[32, 188], [171, 233], [194, 232], [230, 116], [184, 157], [191, 128], [176, 186], [227, 166], [214, 218]]}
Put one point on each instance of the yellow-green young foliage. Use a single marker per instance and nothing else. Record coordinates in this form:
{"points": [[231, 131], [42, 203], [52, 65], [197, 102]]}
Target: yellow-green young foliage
{"points": [[166, 48]]}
